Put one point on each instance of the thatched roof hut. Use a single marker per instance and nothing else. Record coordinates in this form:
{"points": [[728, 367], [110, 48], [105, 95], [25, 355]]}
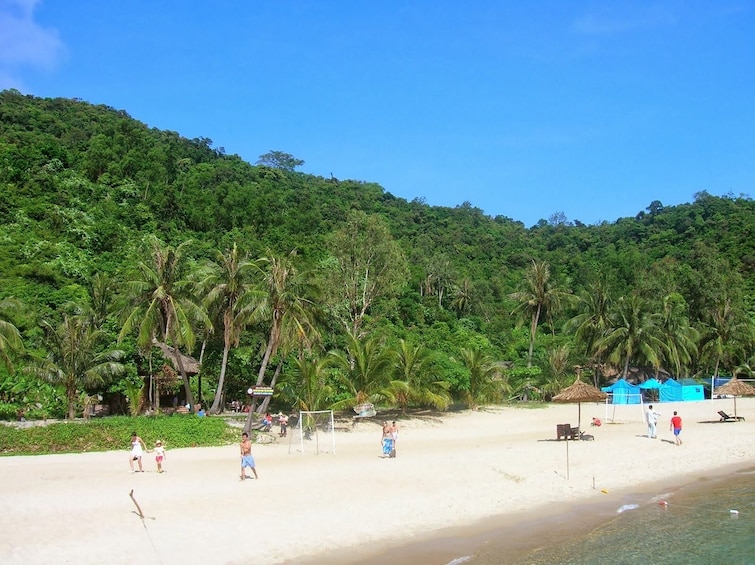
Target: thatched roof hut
{"points": [[191, 365]]}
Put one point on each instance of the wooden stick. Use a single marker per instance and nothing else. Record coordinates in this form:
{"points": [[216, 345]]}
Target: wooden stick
{"points": [[141, 514]]}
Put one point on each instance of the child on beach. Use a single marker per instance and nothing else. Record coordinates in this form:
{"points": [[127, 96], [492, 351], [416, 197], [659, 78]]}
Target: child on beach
{"points": [[137, 450], [159, 455]]}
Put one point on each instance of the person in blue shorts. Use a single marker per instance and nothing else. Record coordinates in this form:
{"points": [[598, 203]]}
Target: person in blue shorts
{"points": [[246, 457]]}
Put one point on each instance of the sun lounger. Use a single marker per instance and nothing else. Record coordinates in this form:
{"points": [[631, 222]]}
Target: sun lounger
{"points": [[726, 418]]}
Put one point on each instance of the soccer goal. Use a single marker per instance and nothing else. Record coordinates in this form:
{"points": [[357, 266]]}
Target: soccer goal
{"points": [[624, 407], [314, 432]]}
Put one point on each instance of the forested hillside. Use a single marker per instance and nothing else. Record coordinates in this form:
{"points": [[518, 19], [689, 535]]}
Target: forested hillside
{"points": [[115, 236]]}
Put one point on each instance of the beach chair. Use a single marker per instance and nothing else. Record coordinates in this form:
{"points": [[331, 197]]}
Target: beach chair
{"points": [[565, 431], [726, 418]]}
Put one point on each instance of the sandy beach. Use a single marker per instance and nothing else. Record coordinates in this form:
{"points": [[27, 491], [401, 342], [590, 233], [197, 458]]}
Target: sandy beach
{"points": [[454, 471]]}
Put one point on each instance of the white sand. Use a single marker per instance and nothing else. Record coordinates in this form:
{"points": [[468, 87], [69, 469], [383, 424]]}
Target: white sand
{"points": [[450, 471]]}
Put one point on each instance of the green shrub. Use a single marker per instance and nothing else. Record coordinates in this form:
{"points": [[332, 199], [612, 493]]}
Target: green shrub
{"points": [[115, 433]]}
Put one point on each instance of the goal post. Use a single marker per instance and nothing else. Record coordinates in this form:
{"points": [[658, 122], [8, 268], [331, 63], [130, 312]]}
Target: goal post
{"points": [[314, 432]]}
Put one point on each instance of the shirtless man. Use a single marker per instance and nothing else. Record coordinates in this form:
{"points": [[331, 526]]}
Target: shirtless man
{"points": [[246, 456]]}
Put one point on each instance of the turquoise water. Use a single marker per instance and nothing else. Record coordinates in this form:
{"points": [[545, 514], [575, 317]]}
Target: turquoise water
{"points": [[707, 522]]}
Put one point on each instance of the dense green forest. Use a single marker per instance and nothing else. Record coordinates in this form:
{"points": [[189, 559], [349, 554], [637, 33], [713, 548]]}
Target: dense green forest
{"points": [[116, 237]]}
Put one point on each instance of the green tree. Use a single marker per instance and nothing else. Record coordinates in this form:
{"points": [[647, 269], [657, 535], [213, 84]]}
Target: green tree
{"points": [[591, 323], [726, 336], [230, 284], [280, 160], [161, 302], [76, 359], [365, 368], [10, 338], [368, 264], [679, 338], [283, 302], [414, 382], [538, 296], [633, 335], [485, 385], [305, 386]]}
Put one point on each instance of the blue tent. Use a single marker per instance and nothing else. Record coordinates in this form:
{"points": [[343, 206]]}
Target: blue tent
{"points": [[649, 384], [671, 391], [623, 392], [692, 390]]}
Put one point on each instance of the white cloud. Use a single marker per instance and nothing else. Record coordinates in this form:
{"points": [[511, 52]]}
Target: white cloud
{"points": [[23, 42]]}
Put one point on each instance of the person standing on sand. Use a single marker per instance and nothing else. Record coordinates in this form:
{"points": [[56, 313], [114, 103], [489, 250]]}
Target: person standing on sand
{"points": [[137, 450], [159, 455], [283, 421], [246, 457], [676, 427], [386, 440], [394, 436], [652, 419]]}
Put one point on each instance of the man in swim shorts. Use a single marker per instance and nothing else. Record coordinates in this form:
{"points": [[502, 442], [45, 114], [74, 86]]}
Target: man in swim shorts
{"points": [[676, 427], [246, 457]]}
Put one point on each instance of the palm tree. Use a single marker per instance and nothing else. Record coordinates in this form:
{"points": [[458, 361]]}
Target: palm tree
{"points": [[592, 321], [306, 385], [727, 334], [10, 338], [483, 386], [633, 335], [538, 297], [284, 300], [679, 338], [162, 303], [414, 382], [75, 359], [462, 300], [365, 368], [230, 284]]}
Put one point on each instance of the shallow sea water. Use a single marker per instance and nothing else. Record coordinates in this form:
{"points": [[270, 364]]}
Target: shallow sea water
{"points": [[706, 522]]}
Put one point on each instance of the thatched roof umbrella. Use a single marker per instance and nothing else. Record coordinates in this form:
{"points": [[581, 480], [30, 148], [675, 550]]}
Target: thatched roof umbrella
{"points": [[580, 392], [735, 388]]}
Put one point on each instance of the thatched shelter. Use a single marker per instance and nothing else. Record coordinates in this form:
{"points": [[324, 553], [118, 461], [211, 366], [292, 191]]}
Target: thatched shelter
{"points": [[580, 392], [191, 365], [735, 388]]}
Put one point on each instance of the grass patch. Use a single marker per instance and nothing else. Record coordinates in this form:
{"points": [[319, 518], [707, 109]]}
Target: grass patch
{"points": [[112, 433]]}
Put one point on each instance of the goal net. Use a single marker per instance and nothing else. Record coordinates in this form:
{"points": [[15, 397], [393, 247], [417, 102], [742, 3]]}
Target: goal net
{"points": [[314, 432], [624, 407]]}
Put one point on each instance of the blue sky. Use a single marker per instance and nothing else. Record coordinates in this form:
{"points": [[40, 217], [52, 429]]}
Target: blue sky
{"points": [[593, 109]]}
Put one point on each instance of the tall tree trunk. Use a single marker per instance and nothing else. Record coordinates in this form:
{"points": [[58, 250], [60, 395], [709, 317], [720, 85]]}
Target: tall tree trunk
{"points": [[216, 403], [533, 329], [185, 378], [271, 345], [266, 402]]}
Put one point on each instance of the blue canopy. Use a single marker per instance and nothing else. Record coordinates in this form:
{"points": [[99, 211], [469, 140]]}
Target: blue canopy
{"points": [[623, 392], [651, 384]]}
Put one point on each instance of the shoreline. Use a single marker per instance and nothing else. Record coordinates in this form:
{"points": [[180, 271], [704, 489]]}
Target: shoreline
{"points": [[525, 532], [458, 478]]}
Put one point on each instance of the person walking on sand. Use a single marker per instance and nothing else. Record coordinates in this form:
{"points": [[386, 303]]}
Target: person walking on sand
{"points": [[246, 457], [652, 419], [386, 440], [159, 455], [137, 450], [676, 427]]}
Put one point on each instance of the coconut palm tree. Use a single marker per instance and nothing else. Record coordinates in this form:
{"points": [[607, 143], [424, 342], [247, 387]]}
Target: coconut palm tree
{"points": [[76, 359], [538, 297], [726, 335], [483, 386], [364, 367], [230, 282], [306, 386], [283, 300], [679, 338], [162, 303], [594, 306], [415, 383], [633, 335]]}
